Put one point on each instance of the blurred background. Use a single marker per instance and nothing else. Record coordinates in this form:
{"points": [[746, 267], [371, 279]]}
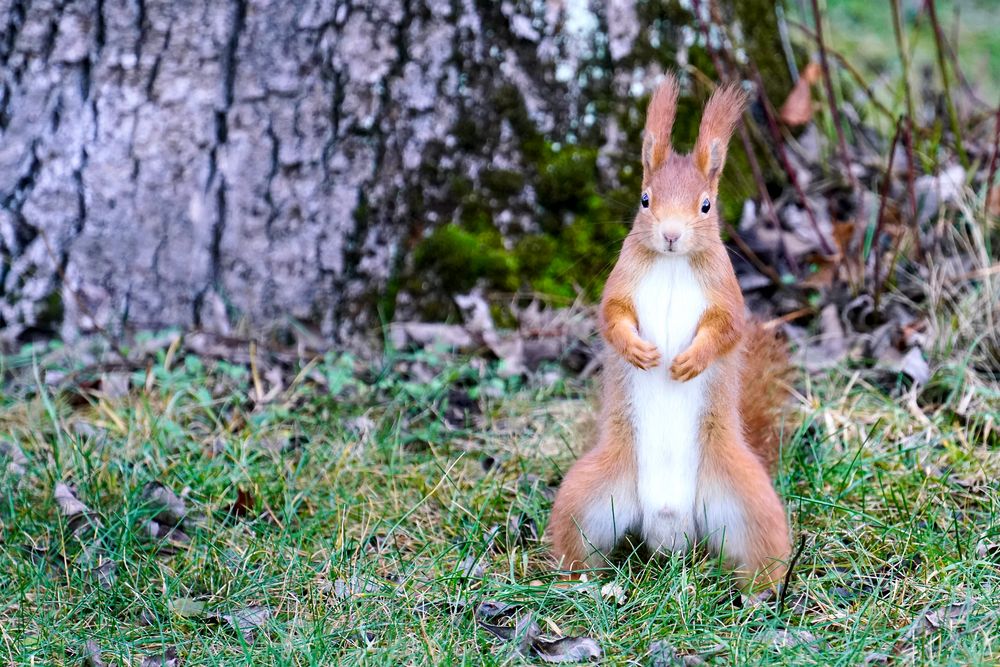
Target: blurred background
{"points": [[307, 173], [297, 332]]}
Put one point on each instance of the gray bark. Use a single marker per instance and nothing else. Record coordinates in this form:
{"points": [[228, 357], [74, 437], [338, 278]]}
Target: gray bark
{"points": [[198, 162]]}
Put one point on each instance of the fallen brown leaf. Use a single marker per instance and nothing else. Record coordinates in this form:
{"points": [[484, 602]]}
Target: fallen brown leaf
{"points": [[798, 107], [166, 659]]}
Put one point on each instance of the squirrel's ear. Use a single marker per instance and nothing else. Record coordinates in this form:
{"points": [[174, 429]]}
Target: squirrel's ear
{"points": [[659, 121], [722, 113]]}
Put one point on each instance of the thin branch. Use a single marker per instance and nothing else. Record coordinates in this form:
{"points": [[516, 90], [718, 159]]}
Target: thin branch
{"points": [[831, 99], [788, 573], [952, 113], [911, 178], [904, 57], [772, 125], [851, 69], [758, 176], [884, 195]]}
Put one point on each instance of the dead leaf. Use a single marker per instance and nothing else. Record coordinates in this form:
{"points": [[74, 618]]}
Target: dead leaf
{"points": [[914, 365], [830, 347], [934, 191], [613, 592], [948, 617], [492, 610], [425, 334], [105, 573], [567, 649], [354, 586], [166, 659], [187, 607], [521, 529], [528, 641], [663, 654], [165, 505], [245, 504], [786, 637], [245, 619], [92, 654], [78, 515], [115, 385], [18, 461], [69, 505], [472, 567], [798, 107]]}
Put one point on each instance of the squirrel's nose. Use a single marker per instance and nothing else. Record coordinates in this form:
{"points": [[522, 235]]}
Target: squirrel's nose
{"points": [[671, 236]]}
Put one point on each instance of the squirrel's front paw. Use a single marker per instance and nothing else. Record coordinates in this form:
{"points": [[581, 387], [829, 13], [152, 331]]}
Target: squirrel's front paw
{"points": [[688, 365], [641, 354]]}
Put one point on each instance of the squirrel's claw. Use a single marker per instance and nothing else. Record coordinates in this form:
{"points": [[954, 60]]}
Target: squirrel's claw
{"points": [[642, 354], [687, 366]]}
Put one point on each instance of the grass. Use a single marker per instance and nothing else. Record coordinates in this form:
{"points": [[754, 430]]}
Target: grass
{"points": [[863, 30], [375, 515]]}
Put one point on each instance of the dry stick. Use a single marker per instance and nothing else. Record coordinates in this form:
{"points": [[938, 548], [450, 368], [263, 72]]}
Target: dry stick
{"points": [[778, 140], [911, 118], [772, 125], [788, 573], [904, 57], [993, 165], [952, 113], [751, 158], [851, 69], [911, 187], [881, 212], [828, 84]]}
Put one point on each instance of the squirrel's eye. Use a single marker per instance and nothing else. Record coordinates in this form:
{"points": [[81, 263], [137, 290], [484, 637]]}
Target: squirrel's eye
{"points": [[705, 206], [645, 200]]}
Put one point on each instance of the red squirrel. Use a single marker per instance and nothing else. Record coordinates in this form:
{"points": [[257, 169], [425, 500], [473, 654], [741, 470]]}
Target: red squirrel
{"points": [[691, 386]]}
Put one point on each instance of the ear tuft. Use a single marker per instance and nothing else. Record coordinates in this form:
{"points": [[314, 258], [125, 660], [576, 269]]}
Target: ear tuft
{"points": [[659, 122], [722, 113]]}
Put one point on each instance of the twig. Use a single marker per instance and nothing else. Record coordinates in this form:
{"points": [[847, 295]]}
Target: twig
{"points": [[851, 69], [788, 317], [952, 113], [884, 195], [758, 177], [831, 99], [904, 57], [752, 256], [911, 186], [788, 573], [789, 169], [984, 272]]}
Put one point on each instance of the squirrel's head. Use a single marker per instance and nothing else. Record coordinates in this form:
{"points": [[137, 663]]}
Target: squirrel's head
{"points": [[677, 212]]}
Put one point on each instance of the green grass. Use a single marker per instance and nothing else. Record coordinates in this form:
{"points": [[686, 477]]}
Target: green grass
{"points": [[862, 31], [370, 497]]}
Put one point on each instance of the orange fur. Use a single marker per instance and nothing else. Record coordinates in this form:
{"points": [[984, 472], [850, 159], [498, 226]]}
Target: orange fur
{"points": [[659, 122], [764, 384], [737, 442]]}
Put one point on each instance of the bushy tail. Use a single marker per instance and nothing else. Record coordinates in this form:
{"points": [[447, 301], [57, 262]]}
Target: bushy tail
{"points": [[765, 384]]}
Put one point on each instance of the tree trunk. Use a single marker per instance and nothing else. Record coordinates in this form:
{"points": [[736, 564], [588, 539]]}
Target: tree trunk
{"points": [[201, 162]]}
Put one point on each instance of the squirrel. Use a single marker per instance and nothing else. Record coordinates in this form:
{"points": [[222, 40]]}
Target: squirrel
{"points": [[687, 431]]}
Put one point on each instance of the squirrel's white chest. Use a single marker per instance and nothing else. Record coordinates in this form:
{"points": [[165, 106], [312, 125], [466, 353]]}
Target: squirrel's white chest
{"points": [[666, 414]]}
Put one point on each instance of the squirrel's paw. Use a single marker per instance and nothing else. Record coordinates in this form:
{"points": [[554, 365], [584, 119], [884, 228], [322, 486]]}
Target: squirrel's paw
{"points": [[641, 354], [688, 365]]}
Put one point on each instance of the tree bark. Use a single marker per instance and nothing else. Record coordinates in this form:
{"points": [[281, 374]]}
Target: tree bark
{"points": [[202, 162]]}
